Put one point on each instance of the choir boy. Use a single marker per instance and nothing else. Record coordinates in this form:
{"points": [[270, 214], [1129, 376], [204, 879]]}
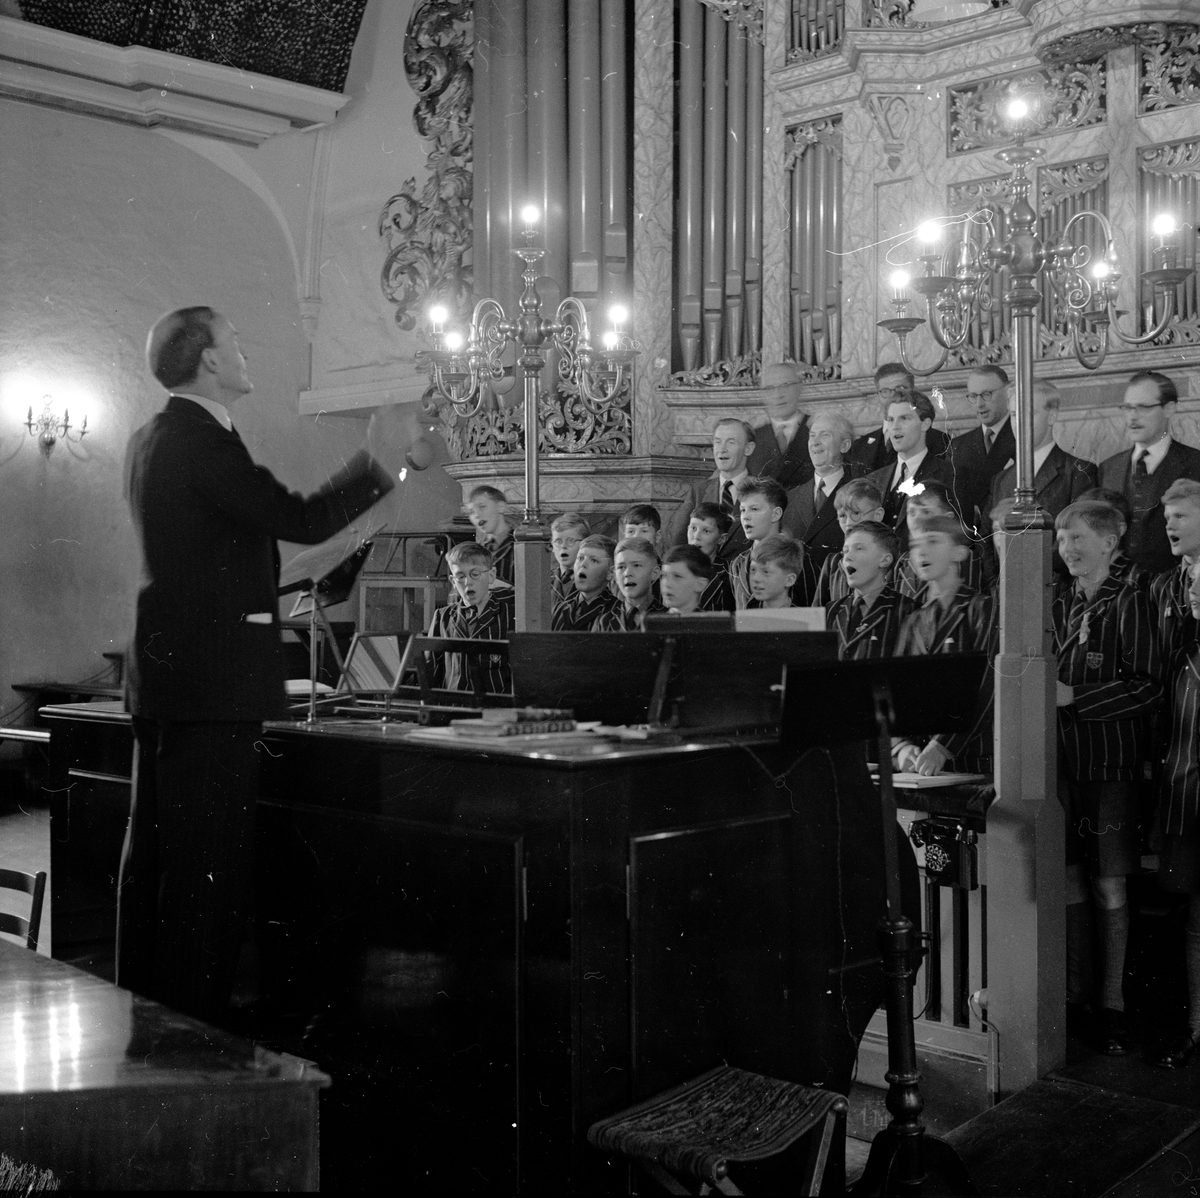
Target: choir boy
{"points": [[775, 565], [1123, 565], [687, 573], [1179, 804], [566, 535], [954, 619], [857, 501], [637, 570], [1107, 684], [483, 609], [642, 520], [762, 502], [1169, 590], [934, 499], [868, 619], [486, 509], [592, 598], [707, 528]]}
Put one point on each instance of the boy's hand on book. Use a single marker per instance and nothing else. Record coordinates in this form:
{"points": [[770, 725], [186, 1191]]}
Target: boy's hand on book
{"points": [[931, 759]]}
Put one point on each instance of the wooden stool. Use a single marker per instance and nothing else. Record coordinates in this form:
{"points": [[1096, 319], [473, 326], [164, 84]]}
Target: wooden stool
{"points": [[691, 1133]]}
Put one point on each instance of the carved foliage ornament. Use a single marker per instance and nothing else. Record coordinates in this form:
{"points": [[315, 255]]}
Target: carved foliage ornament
{"points": [[729, 372], [1169, 68], [566, 425], [428, 234], [745, 14], [893, 117], [1060, 98], [800, 139]]}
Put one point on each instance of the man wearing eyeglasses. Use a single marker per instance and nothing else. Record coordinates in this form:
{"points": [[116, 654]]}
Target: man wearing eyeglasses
{"points": [[874, 450], [979, 454], [1144, 472]]}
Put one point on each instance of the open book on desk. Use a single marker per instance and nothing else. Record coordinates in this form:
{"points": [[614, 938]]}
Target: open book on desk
{"points": [[903, 781]]}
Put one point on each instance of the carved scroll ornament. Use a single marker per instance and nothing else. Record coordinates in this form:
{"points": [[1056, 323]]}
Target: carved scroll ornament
{"points": [[428, 234], [745, 14]]}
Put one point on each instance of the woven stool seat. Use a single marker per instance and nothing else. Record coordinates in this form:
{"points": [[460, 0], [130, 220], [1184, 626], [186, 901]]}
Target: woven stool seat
{"points": [[724, 1115]]}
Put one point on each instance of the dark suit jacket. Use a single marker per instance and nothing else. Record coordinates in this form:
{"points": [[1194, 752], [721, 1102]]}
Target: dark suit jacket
{"points": [[788, 469], [1148, 544], [1061, 480], [207, 518], [872, 451], [974, 470], [819, 533], [895, 504], [709, 491]]}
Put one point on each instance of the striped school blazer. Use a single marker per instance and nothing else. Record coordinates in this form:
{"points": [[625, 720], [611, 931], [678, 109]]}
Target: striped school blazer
{"points": [[873, 633]]}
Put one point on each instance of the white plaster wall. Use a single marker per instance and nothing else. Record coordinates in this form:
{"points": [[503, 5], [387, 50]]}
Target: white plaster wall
{"points": [[102, 228]]}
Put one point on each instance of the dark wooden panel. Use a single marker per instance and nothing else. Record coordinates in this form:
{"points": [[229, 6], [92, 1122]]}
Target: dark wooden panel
{"points": [[691, 892], [405, 941]]}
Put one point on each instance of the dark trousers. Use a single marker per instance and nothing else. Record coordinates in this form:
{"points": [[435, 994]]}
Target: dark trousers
{"points": [[186, 888]]}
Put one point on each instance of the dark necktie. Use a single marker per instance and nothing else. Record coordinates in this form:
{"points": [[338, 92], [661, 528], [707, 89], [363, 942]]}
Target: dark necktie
{"points": [[988, 438], [820, 497], [727, 495], [903, 476], [1139, 464], [781, 439], [857, 611]]}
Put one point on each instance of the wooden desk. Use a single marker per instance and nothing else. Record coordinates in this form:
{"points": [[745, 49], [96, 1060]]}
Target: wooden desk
{"points": [[502, 946], [112, 1092]]}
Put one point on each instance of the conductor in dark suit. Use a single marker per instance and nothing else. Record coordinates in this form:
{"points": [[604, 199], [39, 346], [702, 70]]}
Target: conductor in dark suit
{"points": [[874, 450], [781, 445], [907, 426], [1059, 478], [810, 516], [982, 452], [206, 666], [1144, 472]]}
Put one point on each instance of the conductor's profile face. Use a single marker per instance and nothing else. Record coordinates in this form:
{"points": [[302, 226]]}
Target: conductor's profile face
{"points": [[225, 361]]}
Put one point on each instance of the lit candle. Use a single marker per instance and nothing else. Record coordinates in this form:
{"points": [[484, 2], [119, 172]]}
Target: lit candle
{"points": [[530, 214], [899, 280], [1163, 226], [610, 339], [454, 342], [438, 316]]}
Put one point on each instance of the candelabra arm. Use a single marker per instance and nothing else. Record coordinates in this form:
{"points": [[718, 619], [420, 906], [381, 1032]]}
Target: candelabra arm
{"points": [[916, 371], [935, 327], [1088, 361], [1155, 333]]}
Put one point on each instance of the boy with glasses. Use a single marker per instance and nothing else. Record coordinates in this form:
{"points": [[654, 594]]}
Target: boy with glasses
{"points": [[1144, 472], [483, 610]]}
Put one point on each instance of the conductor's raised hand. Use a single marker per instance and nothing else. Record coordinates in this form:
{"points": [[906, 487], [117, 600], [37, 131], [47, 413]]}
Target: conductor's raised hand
{"points": [[392, 433]]}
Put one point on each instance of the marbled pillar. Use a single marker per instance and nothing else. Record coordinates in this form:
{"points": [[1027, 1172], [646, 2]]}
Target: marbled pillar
{"points": [[653, 209]]}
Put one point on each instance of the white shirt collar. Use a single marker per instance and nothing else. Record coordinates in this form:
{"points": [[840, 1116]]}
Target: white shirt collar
{"points": [[733, 478], [1154, 453], [828, 481], [998, 427], [1040, 455], [913, 464], [218, 411]]}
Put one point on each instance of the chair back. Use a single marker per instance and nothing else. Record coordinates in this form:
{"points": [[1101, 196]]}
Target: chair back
{"points": [[33, 885]]}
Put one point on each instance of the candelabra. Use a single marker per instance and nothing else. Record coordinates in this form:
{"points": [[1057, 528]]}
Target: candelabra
{"points": [[957, 287], [49, 428], [461, 369]]}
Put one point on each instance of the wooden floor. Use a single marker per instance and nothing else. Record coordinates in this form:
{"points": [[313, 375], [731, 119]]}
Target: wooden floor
{"points": [[1156, 998]]}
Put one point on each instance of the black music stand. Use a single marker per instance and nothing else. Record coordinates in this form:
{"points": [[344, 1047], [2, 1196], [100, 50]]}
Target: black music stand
{"points": [[327, 590], [865, 700]]}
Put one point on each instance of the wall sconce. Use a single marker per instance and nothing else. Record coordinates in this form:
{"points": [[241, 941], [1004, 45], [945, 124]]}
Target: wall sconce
{"points": [[48, 428]]}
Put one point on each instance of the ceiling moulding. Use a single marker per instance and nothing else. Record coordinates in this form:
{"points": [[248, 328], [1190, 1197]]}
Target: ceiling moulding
{"points": [[151, 88]]}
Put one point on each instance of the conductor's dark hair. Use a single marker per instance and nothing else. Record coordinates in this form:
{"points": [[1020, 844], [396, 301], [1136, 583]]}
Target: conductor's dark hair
{"points": [[1167, 391], [174, 353]]}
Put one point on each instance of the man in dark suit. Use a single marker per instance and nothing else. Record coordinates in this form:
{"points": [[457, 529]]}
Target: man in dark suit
{"points": [[206, 666], [981, 453], [733, 446], [872, 451], [1144, 472], [781, 445], [1059, 478], [810, 515], [907, 426]]}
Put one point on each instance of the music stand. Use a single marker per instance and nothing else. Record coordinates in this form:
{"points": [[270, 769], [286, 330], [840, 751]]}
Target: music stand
{"points": [[326, 590], [864, 700]]}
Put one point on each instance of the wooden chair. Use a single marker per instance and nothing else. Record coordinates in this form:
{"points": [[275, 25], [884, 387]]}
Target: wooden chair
{"points": [[687, 1136], [33, 885]]}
